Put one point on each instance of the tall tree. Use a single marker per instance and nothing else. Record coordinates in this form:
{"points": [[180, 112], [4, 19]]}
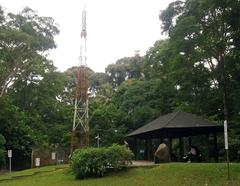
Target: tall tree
{"points": [[125, 68], [96, 80], [157, 63], [143, 100], [24, 37], [204, 33], [204, 37], [14, 126], [38, 92]]}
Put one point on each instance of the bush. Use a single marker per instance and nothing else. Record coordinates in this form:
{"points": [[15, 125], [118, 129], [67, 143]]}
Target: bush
{"points": [[118, 156], [2, 158], [2, 151], [87, 162]]}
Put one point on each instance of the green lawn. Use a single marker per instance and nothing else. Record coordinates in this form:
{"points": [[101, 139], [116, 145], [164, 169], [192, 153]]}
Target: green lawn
{"points": [[30, 172], [173, 174]]}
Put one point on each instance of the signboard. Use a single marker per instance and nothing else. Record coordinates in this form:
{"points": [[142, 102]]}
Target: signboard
{"points": [[53, 155], [10, 160], [225, 135], [9, 153], [37, 162]]}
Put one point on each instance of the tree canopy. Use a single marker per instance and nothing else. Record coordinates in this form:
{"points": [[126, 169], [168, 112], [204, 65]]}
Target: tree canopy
{"points": [[25, 37]]}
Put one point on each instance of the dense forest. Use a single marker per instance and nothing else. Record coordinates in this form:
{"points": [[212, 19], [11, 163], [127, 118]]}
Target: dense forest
{"points": [[197, 70]]}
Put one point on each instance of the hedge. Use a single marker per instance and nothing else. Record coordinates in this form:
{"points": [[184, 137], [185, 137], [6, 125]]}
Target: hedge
{"points": [[88, 162]]}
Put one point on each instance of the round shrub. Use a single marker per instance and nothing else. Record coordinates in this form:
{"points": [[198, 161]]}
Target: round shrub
{"points": [[118, 156], [87, 162]]}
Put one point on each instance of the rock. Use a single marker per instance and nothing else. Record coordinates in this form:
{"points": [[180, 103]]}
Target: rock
{"points": [[162, 153]]}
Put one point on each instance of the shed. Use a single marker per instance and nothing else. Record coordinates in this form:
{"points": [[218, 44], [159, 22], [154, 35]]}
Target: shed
{"points": [[176, 125]]}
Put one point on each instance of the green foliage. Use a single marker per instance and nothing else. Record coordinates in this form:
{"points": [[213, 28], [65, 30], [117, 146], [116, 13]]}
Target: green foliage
{"points": [[2, 158], [204, 59], [156, 64], [118, 156], [96, 80], [143, 100], [203, 44], [125, 68], [89, 162], [14, 127], [2, 151], [105, 118], [30, 87], [191, 71], [19, 136], [24, 37]]}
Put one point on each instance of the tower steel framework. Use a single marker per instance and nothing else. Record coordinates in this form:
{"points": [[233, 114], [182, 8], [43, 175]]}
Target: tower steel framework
{"points": [[81, 119]]}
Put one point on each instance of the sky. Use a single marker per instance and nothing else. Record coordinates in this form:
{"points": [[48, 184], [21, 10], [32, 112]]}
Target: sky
{"points": [[115, 28]]}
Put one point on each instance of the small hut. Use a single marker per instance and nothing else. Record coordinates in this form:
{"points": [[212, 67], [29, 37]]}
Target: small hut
{"points": [[176, 125]]}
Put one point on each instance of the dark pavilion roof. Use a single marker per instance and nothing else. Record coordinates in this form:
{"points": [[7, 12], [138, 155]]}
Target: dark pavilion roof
{"points": [[176, 124]]}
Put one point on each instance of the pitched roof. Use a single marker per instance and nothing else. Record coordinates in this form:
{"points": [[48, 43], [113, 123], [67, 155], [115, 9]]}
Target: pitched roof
{"points": [[175, 120]]}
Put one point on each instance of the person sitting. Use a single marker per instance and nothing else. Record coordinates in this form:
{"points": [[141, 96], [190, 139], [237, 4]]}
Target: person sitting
{"points": [[193, 154]]}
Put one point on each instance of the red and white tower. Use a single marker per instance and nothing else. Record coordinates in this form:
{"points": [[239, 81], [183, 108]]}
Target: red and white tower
{"points": [[81, 119]]}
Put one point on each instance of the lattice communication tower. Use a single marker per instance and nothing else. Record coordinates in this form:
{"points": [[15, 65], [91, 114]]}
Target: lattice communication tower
{"points": [[81, 118]]}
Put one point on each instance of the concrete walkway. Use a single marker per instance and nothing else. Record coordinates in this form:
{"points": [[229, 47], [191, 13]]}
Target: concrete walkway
{"points": [[140, 163]]}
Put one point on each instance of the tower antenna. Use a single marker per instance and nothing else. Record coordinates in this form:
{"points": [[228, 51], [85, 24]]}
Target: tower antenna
{"points": [[81, 117]]}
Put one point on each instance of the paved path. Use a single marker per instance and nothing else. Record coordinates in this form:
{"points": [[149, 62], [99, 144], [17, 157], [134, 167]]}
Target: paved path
{"points": [[140, 163]]}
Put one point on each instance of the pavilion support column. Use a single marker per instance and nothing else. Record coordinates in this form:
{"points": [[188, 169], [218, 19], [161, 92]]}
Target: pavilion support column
{"points": [[215, 147], [181, 150], [135, 148], [150, 152], [170, 148], [189, 141], [146, 149], [208, 147]]}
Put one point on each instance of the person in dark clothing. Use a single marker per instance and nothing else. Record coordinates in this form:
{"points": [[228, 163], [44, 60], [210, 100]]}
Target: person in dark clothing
{"points": [[193, 154]]}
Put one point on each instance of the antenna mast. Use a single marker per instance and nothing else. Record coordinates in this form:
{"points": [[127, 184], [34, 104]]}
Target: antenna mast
{"points": [[81, 118]]}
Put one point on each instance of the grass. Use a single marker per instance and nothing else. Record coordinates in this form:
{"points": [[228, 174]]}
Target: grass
{"points": [[172, 174], [30, 172]]}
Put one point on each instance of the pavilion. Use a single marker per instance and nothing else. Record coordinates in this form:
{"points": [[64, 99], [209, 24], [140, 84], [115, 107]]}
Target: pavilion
{"points": [[176, 125]]}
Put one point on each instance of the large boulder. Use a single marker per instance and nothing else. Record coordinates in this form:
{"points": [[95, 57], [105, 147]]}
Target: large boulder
{"points": [[162, 153]]}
